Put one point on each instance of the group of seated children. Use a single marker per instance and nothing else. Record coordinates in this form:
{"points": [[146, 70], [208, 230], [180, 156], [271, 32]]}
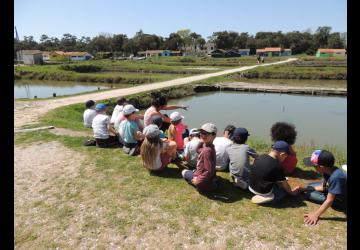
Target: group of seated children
{"points": [[204, 154]]}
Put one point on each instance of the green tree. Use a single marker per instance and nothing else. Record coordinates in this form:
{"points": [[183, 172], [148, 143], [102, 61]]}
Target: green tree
{"points": [[335, 41], [321, 36]]}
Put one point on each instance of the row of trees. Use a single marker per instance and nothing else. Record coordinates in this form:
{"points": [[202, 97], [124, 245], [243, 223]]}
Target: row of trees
{"points": [[185, 40]]}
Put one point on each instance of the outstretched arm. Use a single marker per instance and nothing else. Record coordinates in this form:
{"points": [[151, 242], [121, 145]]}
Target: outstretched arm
{"points": [[170, 107], [312, 218]]}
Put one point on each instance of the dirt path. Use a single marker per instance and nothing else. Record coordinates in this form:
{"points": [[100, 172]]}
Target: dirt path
{"points": [[28, 112]]}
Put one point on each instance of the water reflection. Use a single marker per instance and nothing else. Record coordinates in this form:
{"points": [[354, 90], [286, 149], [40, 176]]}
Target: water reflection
{"points": [[319, 120], [48, 89]]}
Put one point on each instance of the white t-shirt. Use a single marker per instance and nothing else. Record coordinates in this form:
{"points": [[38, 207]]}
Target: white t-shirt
{"points": [[190, 151], [222, 158], [117, 110], [88, 116], [99, 126]]}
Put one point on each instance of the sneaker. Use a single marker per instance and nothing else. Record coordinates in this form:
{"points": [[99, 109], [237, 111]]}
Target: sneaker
{"points": [[126, 150]]}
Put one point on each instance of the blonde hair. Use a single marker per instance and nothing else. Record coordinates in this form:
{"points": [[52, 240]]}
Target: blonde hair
{"points": [[149, 149]]}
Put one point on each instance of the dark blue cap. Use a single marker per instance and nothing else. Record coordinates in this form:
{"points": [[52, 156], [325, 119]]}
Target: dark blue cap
{"points": [[281, 146], [240, 132]]}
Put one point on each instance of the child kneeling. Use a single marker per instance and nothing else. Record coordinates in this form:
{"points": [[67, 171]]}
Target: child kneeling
{"points": [[156, 153]]}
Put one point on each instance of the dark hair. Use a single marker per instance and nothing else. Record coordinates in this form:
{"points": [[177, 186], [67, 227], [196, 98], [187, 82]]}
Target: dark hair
{"points": [[239, 139], [120, 100], [282, 131], [159, 101], [157, 121], [89, 104], [230, 129]]}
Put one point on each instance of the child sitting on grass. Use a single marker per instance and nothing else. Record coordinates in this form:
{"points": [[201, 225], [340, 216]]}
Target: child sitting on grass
{"points": [[176, 130], [89, 113], [104, 133], [239, 162], [190, 152], [282, 131], [332, 192], [131, 133], [155, 152]]}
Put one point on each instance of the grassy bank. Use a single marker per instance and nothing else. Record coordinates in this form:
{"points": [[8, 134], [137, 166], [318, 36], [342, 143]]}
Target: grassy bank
{"points": [[112, 200]]}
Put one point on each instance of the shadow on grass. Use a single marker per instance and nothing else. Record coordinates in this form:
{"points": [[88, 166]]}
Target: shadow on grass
{"points": [[340, 219], [287, 202], [226, 192], [310, 174], [168, 173]]}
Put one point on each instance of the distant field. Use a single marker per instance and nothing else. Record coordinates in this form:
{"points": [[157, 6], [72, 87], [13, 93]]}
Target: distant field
{"points": [[138, 72]]}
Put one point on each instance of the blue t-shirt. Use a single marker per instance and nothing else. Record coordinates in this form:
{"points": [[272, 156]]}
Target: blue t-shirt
{"points": [[336, 184], [129, 129]]}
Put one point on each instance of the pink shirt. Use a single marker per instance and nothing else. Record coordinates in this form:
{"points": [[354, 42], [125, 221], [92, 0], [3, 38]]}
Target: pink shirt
{"points": [[149, 113], [179, 138]]}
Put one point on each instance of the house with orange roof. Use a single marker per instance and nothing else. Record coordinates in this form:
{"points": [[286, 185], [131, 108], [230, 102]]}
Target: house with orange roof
{"points": [[330, 52], [273, 51]]}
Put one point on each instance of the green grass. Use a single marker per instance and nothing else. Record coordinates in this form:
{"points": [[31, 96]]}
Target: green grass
{"points": [[132, 200]]}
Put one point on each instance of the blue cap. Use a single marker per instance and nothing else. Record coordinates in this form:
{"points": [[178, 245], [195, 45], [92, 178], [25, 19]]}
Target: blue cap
{"points": [[281, 146], [240, 132], [100, 106]]}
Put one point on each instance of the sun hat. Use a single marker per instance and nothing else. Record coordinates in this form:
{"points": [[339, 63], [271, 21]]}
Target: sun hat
{"points": [[209, 128], [151, 131], [100, 106], [281, 146], [320, 157], [129, 109], [175, 116]]}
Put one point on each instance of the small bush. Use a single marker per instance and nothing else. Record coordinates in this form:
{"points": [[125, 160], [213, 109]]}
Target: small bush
{"points": [[81, 68]]}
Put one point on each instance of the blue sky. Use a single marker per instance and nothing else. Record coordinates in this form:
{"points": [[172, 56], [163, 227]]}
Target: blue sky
{"points": [[161, 17]]}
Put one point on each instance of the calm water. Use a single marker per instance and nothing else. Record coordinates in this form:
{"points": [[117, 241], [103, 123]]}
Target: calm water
{"points": [[318, 120], [44, 90]]}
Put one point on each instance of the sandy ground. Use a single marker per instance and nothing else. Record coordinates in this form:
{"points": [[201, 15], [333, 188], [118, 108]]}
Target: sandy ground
{"points": [[27, 112]]}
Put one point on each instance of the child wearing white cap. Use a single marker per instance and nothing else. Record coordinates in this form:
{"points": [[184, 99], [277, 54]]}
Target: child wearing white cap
{"points": [[176, 130], [131, 133], [155, 152]]}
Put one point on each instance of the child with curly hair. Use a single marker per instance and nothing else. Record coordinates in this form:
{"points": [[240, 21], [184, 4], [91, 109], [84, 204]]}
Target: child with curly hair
{"points": [[282, 131]]}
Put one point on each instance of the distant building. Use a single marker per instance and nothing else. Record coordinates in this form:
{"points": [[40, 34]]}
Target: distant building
{"points": [[330, 52], [150, 53], [210, 47], [46, 55], [218, 53], [244, 52], [273, 51], [30, 57], [232, 53], [72, 56]]}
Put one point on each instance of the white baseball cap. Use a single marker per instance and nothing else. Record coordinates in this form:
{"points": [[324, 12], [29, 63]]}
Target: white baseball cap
{"points": [[175, 116], [129, 109]]}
